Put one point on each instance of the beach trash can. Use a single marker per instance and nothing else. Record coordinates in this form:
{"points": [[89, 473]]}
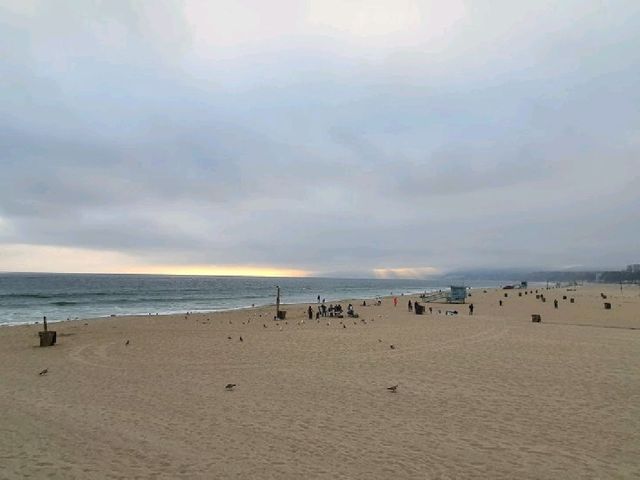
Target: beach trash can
{"points": [[536, 318], [419, 309], [607, 306], [47, 338], [282, 314], [572, 300]]}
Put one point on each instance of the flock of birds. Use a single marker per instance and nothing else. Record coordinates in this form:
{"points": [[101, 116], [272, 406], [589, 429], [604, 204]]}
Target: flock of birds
{"points": [[231, 386]]}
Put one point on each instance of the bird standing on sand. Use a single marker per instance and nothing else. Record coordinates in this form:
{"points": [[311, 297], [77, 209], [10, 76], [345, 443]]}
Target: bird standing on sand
{"points": [[230, 386], [126, 343], [44, 372], [241, 338], [393, 388], [393, 347]]}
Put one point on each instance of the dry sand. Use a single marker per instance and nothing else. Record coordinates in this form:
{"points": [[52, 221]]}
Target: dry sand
{"points": [[488, 396]]}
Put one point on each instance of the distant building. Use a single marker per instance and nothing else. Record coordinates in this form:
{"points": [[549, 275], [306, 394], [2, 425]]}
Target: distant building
{"points": [[633, 268]]}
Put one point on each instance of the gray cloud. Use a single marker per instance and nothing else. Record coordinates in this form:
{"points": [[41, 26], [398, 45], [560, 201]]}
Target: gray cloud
{"points": [[509, 140]]}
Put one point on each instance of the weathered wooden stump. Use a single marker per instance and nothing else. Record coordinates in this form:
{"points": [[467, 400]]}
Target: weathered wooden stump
{"points": [[519, 294], [282, 314], [564, 297], [536, 318], [607, 306], [48, 338]]}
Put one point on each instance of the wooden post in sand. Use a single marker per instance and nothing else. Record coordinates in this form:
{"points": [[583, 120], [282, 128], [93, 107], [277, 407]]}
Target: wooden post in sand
{"points": [[47, 338], [280, 314]]}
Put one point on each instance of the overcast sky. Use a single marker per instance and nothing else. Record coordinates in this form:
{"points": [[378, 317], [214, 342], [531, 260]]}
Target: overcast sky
{"points": [[353, 137]]}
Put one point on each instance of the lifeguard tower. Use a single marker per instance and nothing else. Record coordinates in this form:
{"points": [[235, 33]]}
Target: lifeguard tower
{"points": [[456, 294]]}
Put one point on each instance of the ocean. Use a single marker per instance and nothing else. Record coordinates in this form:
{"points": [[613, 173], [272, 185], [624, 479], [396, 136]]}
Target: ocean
{"points": [[27, 297]]}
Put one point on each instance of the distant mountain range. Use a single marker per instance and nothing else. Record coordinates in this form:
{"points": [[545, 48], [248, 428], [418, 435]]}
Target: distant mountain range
{"points": [[524, 274]]}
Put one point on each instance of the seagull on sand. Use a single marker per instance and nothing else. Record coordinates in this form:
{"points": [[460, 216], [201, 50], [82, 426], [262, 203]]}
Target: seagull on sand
{"points": [[126, 343], [392, 347], [393, 388], [44, 372], [229, 386], [241, 338]]}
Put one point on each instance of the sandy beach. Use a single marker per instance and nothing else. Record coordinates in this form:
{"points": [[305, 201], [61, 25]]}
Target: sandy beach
{"points": [[491, 395]]}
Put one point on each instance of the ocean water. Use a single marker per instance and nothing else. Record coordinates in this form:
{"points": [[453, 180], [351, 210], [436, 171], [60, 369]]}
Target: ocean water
{"points": [[27, 297]]}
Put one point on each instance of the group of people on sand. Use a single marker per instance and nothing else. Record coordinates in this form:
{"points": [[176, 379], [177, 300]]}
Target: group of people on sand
{"points": [[410, 307], [337, 310], [332, 311]]}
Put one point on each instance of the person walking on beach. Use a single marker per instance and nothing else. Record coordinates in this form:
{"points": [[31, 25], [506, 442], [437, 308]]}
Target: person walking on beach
{"points": [[410, 306], [310, 312], [395, 301], [471, 309], [555, 303], [318, 298]]}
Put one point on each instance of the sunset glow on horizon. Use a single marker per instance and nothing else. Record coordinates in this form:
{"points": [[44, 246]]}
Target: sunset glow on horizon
{"points": [[219, 270], [56, 259]]}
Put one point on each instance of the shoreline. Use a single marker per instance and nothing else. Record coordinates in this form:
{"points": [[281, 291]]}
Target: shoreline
{"points": [[160, 315], [257, 308], [229, 309]]}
